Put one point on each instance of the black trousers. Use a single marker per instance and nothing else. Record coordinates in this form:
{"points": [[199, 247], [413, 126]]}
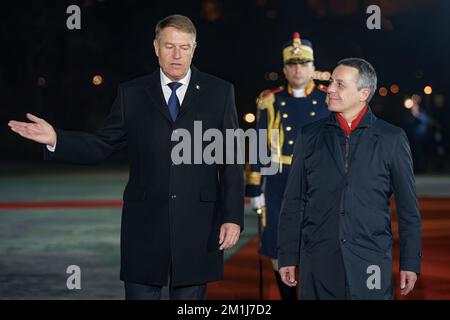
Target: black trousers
{"points": [[134, 291]]}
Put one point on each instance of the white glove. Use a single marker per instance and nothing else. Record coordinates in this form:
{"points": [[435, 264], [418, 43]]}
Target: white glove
{"points": [[258, 202]]}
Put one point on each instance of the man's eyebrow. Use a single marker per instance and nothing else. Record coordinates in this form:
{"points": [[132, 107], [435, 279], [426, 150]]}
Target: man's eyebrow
{"points": [[173, 44]]}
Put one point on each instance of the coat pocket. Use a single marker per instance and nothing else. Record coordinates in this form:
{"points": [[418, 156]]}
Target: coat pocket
{"points": [[134, 194]]}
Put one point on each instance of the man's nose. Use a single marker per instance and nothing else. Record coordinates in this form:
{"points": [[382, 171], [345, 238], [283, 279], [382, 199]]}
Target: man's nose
{"points": [[176, 54], [331, 88]]}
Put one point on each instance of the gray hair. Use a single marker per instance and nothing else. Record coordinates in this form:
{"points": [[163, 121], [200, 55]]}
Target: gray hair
{"points": [[177, 21], [367, 74]]}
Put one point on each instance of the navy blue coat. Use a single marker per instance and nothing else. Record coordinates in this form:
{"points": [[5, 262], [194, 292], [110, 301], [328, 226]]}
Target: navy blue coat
{"points": [[336, 205]]}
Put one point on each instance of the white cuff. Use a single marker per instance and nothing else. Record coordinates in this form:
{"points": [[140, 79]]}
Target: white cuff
{"points": [[258, 202], [50, 148]]}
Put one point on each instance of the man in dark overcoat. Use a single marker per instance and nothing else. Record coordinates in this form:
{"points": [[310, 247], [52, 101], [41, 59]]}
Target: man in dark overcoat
{"points": [[177, 217], [335, 220]]}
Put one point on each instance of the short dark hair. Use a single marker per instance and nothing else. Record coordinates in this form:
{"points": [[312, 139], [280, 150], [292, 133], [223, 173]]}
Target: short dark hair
{"points": [[177, 21], [367, 74]]}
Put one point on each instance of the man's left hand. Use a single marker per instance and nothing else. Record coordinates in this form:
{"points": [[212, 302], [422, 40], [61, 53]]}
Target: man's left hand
{"points": [[229, 235], [407, 281]]}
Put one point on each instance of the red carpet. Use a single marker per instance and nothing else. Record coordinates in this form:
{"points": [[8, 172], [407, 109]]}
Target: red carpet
{"points": [[241, 271]]}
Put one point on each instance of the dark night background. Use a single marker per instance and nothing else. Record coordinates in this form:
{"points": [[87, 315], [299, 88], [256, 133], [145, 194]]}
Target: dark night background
{"points": [[47, 69]]}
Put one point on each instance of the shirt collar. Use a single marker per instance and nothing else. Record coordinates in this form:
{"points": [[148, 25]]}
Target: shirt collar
{"points": [[354, 124], [298, 93], [165, 79]]}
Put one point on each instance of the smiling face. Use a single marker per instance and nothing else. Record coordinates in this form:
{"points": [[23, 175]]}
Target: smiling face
{"points": [[343, 95], [298, 75], [174, 49]]}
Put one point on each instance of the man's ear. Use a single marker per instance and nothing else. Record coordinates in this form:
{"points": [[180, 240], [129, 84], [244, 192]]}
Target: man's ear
{"points": [[156, 47], [364, 94], [284, 71]]}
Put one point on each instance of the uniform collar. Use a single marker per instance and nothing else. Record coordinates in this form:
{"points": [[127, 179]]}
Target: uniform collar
{"points": [[301, 93]]}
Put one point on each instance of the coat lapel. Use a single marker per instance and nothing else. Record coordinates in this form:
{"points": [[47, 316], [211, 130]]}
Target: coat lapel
{"points": [[154, 90], [192, 92]]}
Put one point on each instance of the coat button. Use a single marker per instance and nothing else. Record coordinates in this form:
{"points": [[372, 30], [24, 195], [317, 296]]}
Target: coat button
{"points": [[312, 113], [173, 196], [285, 115], [288, 128], [343, 241], [291, 142], [343, 213]]}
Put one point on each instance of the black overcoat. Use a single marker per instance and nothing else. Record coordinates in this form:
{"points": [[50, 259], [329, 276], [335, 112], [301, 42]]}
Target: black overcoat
{"points": [[333, 204], [172, 213]]}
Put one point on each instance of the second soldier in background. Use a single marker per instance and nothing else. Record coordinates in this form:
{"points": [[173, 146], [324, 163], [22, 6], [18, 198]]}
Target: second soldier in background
{"points": [[286, 109]]}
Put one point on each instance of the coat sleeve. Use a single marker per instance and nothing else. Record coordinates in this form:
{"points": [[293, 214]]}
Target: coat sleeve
{"points": [[404, 188], [231, 175], [292, 209], [91, 148]]}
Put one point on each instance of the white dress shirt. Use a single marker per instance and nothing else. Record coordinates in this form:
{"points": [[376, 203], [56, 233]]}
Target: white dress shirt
{"points": [[181, 92]]}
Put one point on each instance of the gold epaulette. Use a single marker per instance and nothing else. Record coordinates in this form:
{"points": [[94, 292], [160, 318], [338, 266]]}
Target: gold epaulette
{"points": [[267, 98], [252, 178], [322, 88]]}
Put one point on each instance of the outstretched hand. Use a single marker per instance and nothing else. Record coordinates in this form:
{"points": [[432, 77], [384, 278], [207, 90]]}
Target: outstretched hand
{"points": [[38, 130]]}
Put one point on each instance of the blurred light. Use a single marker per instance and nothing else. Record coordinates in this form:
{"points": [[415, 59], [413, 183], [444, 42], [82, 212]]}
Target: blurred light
{"points": [[273, 76], [428, 90], [394, 88], [211, 10], [321, 75], [97, 80], [409, 103], [416, 98], [271, 14], [41, 81], [249, 117], [383, 92]]}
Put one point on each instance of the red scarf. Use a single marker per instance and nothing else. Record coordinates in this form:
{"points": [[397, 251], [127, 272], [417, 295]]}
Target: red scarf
{"points": [[354, 124]]}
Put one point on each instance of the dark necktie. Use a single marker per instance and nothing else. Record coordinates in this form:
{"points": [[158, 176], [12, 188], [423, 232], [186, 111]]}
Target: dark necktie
{"points": [[174, 103]]}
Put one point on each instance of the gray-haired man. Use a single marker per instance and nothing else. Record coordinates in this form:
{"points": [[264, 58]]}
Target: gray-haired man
{"points": [[335, 219]]}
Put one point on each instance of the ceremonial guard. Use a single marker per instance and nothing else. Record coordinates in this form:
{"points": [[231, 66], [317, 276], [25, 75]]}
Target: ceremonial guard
{"points": [[286, 109]]}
